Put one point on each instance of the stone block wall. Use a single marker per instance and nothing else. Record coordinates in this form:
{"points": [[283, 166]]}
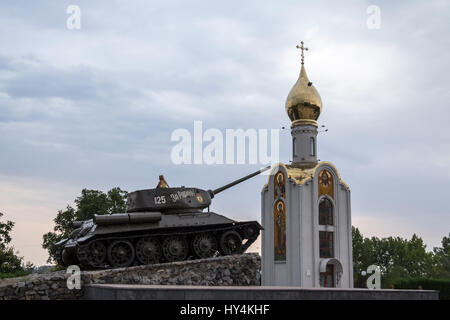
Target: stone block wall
{"points": [[237, 270]]}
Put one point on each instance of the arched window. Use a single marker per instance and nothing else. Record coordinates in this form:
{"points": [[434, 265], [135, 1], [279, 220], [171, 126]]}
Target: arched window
{"points": [[326, 244], [325, 212], [312, 146], [294, 147]]}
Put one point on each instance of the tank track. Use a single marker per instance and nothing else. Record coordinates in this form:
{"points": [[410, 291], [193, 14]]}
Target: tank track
{"points": [[58, 256], [242, 228]]}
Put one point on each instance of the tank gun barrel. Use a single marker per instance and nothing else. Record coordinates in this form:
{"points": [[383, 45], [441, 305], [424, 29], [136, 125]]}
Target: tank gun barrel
{"points": [[227, 186]]}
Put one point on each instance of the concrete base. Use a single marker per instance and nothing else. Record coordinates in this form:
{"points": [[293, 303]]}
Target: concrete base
{"points": [[149, 292]]}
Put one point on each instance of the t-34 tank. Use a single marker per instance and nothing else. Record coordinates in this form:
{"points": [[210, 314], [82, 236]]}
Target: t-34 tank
{"points": [[160, 225]]}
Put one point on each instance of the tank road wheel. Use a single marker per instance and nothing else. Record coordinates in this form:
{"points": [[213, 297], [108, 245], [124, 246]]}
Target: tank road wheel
{"points": [[175, 248], [251, 232], [67, 258], [96, 254], [204, 245], [120, 254], [230, 243], [148, 250], [58, 257]]}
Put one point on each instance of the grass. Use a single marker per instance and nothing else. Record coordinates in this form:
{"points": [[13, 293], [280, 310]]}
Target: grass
{"points": [[13, 274]]}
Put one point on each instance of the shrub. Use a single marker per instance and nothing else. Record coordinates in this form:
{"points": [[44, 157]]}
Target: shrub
{"points": [[441, 285]]}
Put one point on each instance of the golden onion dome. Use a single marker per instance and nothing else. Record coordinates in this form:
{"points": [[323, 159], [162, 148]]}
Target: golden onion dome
{"points": [[303, 101]]}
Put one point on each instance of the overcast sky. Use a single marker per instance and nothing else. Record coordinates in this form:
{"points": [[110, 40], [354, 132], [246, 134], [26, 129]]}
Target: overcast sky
{"points": [[95, 107]]}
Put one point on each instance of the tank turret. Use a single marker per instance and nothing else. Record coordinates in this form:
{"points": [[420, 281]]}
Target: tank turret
{"points": [[181, 199]]}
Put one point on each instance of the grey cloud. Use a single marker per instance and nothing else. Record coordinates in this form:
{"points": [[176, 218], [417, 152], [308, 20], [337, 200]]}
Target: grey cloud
{"points": [[96, 107], [46, 82]]}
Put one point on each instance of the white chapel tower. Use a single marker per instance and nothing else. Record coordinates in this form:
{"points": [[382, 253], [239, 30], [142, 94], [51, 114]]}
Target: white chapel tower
{"points": [[307, 236]]}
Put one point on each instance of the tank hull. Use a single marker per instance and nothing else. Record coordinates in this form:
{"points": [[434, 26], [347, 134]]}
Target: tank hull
{"points": [[175, 237]]}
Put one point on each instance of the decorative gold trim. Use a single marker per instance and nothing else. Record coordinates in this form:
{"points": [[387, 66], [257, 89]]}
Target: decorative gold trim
{"points": [[303, 174], [272, 172], [300, 122], [337, 172]]}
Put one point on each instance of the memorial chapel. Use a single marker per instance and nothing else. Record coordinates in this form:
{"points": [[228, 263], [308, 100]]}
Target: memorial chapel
{"points": [[305, 206]]}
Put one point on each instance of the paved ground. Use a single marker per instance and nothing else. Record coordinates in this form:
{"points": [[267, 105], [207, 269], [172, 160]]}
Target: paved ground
{"points": [[149, 292]]}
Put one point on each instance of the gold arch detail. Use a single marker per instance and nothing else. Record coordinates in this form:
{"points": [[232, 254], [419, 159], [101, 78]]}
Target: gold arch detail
{"points": [[325, 183]]}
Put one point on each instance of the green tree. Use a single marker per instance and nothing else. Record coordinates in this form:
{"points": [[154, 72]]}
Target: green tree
{"points": [[404, 258], [63, 227], [10, 262], [363, 257], [90, 202], [442, 259], [397, 258], [117, 200], [5, 230]]}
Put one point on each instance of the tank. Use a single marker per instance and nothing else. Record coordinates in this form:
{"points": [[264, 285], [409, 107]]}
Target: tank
{"points": [[159, 225]]}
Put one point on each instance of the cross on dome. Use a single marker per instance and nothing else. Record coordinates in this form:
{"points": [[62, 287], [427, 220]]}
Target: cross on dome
{"points": [[303, 48]]}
